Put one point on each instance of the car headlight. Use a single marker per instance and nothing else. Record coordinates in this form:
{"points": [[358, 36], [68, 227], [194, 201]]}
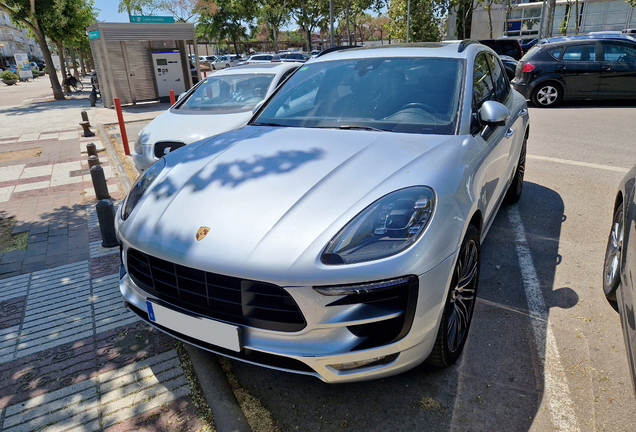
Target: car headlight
{"points": [[138, 148], [387, 227], [141, 185]]}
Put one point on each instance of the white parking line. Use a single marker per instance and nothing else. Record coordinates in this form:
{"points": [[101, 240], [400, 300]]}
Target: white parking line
{"points": [[557, 392], [577, 163]]}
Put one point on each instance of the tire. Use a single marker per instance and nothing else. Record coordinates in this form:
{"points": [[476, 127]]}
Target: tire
{"points": [[78, 86], [516, 187], [547, 94], [612, 265], [460, 303]]}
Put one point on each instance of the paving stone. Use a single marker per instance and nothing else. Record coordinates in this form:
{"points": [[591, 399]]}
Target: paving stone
{"points": [[57, 249], [39, 229], [55, 261], [11, 312], [34, 249], [13, 256], [37, 238], [10, 268], [30, 259]]}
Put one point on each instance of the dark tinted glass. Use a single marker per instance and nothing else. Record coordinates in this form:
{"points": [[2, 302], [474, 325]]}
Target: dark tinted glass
{"points": [[483, 85], [502, 88], [556, 52], [411, 95], [580, 53], [613, 51]]}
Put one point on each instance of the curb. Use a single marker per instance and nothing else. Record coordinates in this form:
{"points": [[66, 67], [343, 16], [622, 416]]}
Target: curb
{"points": [[227, 413], [119, 167]]}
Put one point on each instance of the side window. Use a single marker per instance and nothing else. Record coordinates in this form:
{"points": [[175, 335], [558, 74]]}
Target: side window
{"points": [[284, 77], [483, 86], [556, 52], [580, 53], [613, 51], [502, 88]]}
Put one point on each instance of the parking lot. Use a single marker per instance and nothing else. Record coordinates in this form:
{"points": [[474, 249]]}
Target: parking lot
{"points": [[545, 351]]}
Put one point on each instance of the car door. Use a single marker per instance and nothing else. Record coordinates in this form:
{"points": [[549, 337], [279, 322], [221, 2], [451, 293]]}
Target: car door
{"points": [[618, 70], [580, 70], [490, 83]]}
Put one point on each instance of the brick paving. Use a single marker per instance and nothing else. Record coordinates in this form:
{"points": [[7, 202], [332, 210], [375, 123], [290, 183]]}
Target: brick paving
{"points": [[71, 357]]}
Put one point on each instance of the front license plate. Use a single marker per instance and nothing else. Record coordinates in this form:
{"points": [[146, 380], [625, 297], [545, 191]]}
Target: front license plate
{"points": [[213, 332]]}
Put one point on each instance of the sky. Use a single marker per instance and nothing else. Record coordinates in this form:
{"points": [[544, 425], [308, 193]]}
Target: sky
{"points": [[108, 11]]}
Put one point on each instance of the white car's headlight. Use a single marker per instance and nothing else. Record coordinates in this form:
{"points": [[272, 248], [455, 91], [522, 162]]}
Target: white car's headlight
{"points": [[387, 227], [141, 185], [138, 148]]}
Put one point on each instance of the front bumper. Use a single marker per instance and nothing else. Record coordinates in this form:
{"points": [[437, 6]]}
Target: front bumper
{"points": [[327, 341]]}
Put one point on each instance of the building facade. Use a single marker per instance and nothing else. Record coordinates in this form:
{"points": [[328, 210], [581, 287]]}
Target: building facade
{"points": [[523, 19], [15, 40]]}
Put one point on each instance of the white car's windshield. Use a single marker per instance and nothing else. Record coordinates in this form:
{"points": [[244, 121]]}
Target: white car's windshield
{"points": [[228, 93], [412, 95]]}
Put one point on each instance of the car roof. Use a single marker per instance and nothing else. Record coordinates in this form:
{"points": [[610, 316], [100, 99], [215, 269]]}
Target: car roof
{"points": [[595, 36], [265, 68], [454, 49]]}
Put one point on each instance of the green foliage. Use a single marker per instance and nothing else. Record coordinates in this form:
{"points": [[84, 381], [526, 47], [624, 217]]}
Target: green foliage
{"points": [[226, 20], [141, 7], [35, 72], [8, 75], [424, 20]]}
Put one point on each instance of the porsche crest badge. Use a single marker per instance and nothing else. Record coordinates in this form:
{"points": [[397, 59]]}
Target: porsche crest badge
{"points": [[202, 232]]}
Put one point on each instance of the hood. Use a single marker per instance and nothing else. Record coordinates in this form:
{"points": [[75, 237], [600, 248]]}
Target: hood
{"points": [[272, 197], [188, 128]]}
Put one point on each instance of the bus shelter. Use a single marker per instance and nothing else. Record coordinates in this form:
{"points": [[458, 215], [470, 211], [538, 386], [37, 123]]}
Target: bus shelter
{"points": [[138, 62]]}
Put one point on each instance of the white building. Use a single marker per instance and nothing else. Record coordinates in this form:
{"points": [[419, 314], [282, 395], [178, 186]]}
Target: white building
{"points": [[14, 40], [524, 18]]}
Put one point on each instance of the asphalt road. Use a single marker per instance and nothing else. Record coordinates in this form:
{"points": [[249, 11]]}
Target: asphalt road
{"points": [[545, 351]]}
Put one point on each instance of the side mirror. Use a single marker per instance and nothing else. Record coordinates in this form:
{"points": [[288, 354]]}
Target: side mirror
{"points": [[493, 114], [257, 106]]}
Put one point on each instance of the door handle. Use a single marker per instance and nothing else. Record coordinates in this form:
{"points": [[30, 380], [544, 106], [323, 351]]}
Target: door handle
{"points": [[523, 112], [510, 133], [607, 68], [561, 67]]}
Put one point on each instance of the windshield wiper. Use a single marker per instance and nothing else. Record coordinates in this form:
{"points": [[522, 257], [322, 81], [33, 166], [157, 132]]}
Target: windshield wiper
{"points": [[359, 127], [268, 124]]}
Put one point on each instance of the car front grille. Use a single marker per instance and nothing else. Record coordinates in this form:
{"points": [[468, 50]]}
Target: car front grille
{"points": [[231, 299]]}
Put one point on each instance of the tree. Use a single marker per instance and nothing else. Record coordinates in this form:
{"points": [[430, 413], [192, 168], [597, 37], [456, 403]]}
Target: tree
{"points": [[275, 13], [182, 10], [225, 19], [309, 15], [424, 20], [29, 14], [142, 7]]}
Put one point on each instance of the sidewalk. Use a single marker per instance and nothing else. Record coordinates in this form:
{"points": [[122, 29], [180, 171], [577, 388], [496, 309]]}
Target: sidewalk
{"points": [[71, 357]]}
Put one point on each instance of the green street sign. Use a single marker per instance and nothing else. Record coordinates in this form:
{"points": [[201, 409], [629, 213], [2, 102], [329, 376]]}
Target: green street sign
{"points": [[151, 19], [93, 34]]}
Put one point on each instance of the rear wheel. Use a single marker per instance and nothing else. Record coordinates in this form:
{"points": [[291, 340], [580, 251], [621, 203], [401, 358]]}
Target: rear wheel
{"points": [[460, 303], [612, 267], [547, 95]]}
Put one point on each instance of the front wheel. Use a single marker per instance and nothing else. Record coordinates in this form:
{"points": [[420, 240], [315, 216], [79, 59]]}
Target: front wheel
{"points": [[516, 187], [460, 303], [78, 86], [612, 266], [547, 95]]}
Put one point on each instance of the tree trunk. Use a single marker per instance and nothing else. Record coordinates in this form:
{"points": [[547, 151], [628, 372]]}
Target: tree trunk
{"points": [[347, 19], [308, 33], [82, 62], [275, 37], [490, 21], [60, 52], [74, 60], [576, 21]]}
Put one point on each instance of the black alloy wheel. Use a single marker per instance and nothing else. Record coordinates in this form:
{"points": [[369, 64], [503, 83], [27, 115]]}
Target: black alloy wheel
{"points": [[460, 303], [516, 187], [612, 266], [547, 95]]}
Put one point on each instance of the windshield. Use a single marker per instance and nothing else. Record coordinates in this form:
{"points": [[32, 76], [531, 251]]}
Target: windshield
{"points": [[412, 95], [228, 93]]}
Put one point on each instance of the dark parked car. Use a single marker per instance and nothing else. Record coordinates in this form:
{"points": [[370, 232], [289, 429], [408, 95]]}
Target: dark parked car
{"points": [[526, 44], [620, 264], [510, 65], [578, 68], [506, 47]]}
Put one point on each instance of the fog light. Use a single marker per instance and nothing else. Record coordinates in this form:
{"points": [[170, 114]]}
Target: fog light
{"points": [[365, 363]]}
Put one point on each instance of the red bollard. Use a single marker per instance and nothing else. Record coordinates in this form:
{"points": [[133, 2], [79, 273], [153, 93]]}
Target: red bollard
{"points": [[122, 126], [172, 101], [205, 74]]}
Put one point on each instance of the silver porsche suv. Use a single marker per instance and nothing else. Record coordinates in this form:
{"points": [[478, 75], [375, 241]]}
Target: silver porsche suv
{"points": [[338, 233]]}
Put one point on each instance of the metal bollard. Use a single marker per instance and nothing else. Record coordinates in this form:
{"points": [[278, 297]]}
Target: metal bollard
{"points": [[84, 115], [87, 132], [106, 217], [93, 98], [99, 182], [91, 149], [92, 161]]}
